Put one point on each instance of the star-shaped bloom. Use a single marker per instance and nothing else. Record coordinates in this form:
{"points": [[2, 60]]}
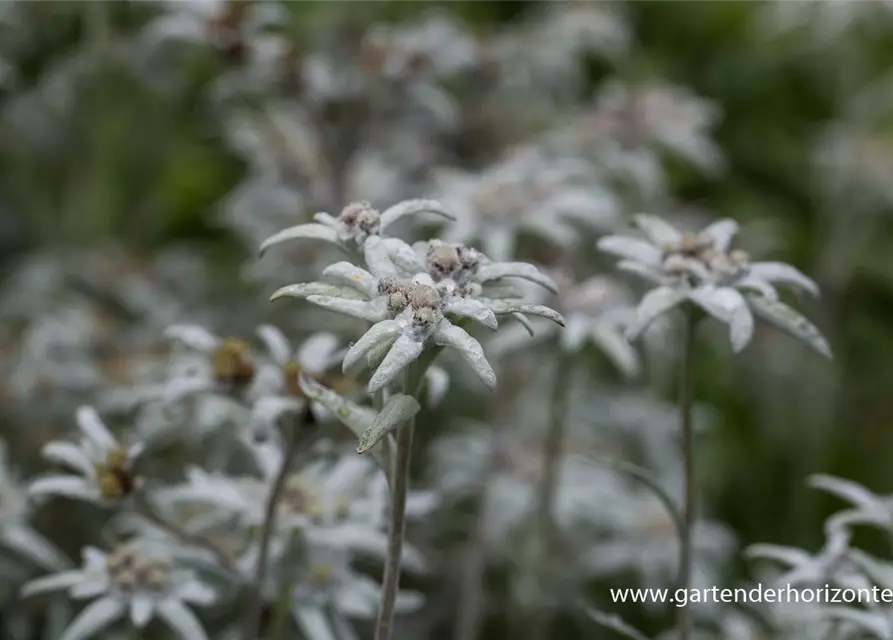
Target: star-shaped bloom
{"points": [[135, 582], [103, 466], [702, 269]]}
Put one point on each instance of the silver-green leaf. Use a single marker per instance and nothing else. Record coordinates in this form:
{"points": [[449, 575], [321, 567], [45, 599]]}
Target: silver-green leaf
{"points": [[790, 321], [397, 410], [311, 231]]}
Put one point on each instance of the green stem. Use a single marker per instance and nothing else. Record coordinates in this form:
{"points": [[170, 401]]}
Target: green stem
{"points": [[548, 539], [686, 406], [397, 522]]}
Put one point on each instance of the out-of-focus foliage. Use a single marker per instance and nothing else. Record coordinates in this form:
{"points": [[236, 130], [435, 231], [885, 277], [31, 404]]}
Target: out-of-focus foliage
{"points": [[147, 149]]}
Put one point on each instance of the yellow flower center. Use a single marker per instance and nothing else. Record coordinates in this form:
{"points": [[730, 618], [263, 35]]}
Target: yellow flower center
{"points": [[232, 364], [114, 476]]}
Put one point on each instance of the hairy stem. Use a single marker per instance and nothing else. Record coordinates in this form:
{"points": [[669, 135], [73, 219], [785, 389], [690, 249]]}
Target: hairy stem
{"points": [[296, 436], [145, 509], [552, 449], [686, 406], [397, 521]]}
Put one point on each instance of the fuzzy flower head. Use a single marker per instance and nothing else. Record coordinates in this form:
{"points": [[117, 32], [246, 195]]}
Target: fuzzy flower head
{"points": [[704, 270], [413, 295], [104, 468], [134, 581]]}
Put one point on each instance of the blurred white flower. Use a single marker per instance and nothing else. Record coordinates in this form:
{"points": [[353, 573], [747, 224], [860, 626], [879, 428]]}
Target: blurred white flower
{"points": [[103, 466], [702, 269], [133, 581], [526, 192]]}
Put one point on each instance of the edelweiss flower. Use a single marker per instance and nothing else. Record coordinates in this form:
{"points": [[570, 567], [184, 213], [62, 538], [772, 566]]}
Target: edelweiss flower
{"points": [[702, 269], [525, 193], [133, 580], [104, 466]]}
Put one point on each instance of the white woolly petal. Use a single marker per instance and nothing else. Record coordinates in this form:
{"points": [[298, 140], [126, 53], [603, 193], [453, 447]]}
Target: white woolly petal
{"points": [[312, 231], [404, 351], [97, 616], [377, 258], [450, 335], [438, 383], [758, 285], [371, 311], [413, 207], [316, 353], [313, 623], [307, 289], [658, 231], [55, 582], [784, 274], [193, 336], [69, 455], [141, 606], [68, 486], [729, 306], [721, 232], [195, 592], [93, 584], [276, 343], [92, 426], [354, 277], [654, 304], [379, 333], [498, 270], [181, 620], [471, 308], [403, 256], [632, 249]]}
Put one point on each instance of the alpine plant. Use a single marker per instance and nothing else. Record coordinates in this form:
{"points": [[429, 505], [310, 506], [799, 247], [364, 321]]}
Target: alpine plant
{"points": [[703, 270]]}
